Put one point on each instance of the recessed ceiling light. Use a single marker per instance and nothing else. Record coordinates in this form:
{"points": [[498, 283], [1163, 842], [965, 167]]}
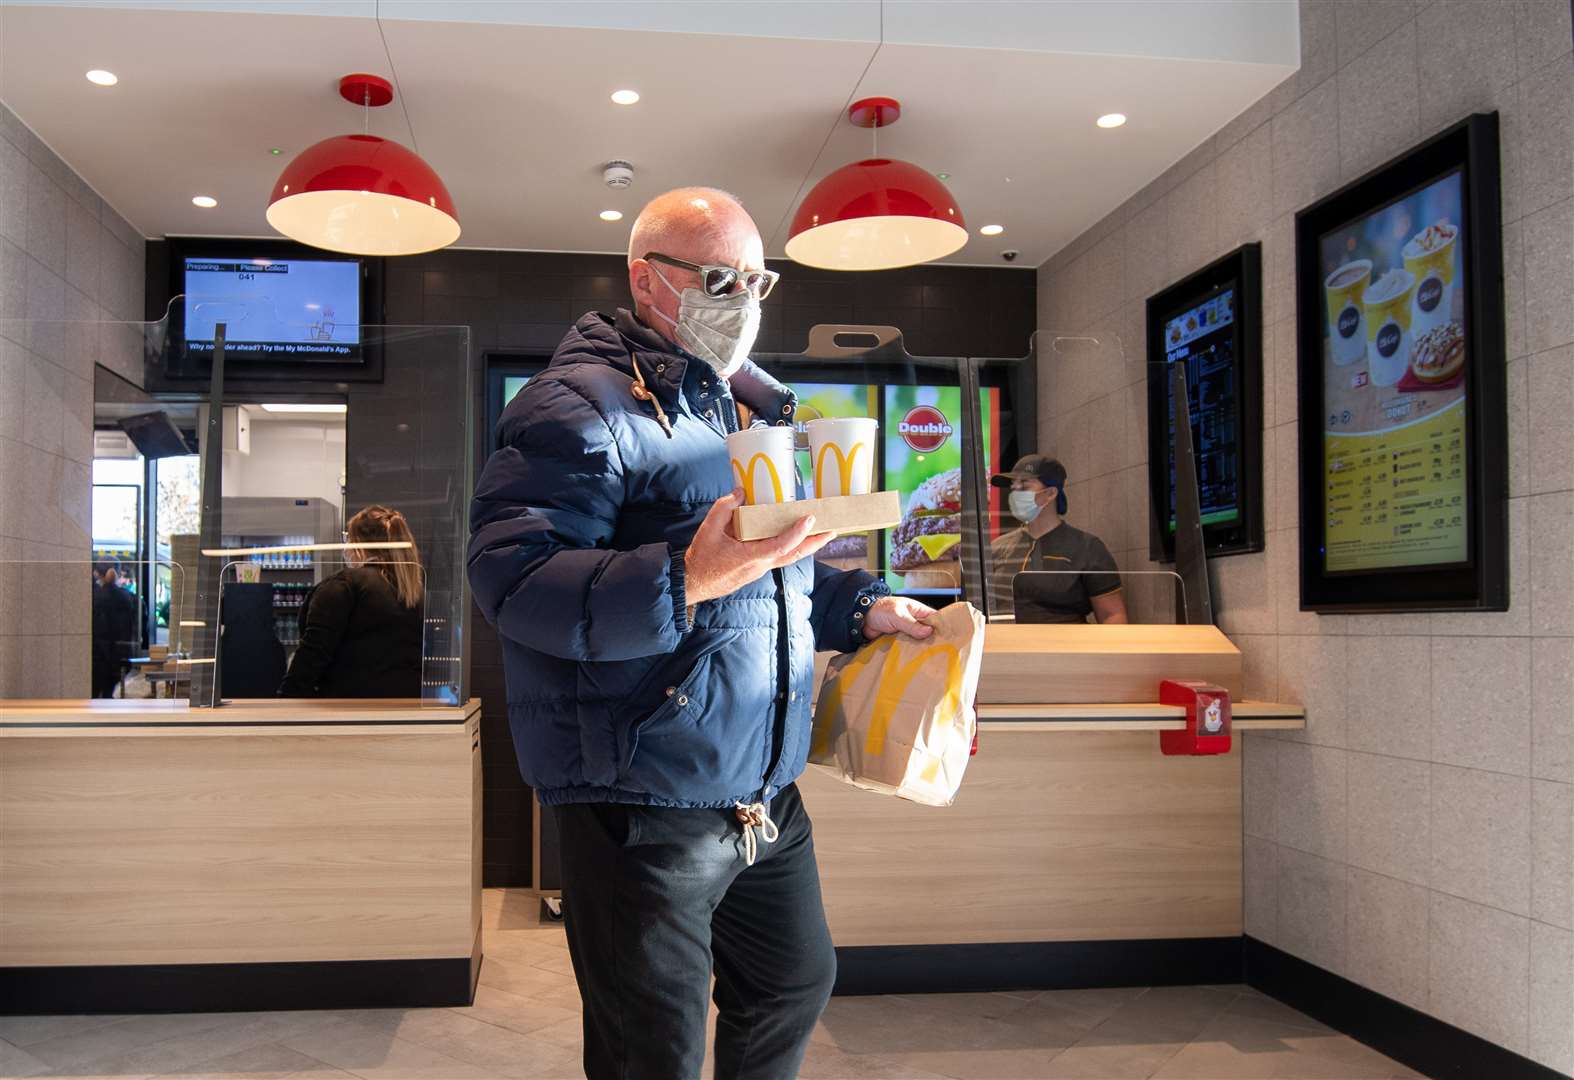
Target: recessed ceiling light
{"points": [[611, 215], [100, 77], [275, 151], [625, 97], [1111, 120], [942, 176], [207, 202], [991, 230]]}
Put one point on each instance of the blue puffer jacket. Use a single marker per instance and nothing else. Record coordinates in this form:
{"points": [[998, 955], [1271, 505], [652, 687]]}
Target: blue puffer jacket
{"points": [[578, 527]]}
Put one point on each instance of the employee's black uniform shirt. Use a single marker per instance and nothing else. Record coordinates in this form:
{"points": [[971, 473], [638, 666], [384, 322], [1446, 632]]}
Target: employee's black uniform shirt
{"points": [[1050, 598]]}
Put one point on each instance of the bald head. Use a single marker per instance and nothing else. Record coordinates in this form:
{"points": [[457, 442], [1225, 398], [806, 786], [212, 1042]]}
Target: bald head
{"points": [[700, 225]]}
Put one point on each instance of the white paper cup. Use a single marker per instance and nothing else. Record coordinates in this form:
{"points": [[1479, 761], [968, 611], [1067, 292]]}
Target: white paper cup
{"points": [[762, 463], [841, 453], [1343, 290]]}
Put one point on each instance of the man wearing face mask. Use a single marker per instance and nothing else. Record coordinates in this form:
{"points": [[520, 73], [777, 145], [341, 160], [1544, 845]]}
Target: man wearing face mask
{"points": [[1045, 541], [659, 670]]}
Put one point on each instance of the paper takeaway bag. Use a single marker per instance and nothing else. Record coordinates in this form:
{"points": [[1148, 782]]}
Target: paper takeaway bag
{"points": [[897, 716]]}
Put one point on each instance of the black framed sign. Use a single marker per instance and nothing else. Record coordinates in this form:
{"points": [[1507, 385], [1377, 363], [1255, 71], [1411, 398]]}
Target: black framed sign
{"points": [[1403, 400], [1212, 322]]}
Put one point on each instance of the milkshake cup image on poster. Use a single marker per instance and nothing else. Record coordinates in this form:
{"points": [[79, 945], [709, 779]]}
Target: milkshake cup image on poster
{"points": [[762, 464], [1430, 255], [1345, 289], [841, 451], [1387, 307]]}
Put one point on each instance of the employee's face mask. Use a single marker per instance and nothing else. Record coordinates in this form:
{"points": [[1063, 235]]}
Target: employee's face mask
{"points": [[1024, 507], [720, 330]]}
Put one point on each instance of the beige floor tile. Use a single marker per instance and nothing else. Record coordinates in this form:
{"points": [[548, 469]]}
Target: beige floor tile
{"points": [[16, 1062], [1239, 1047], [1068, 1015], [499, 1050], [1110, 1060], [317, 1072], [828, 1063], [521, 1014], [1163, 1015], [989, 1006], [265, 1061], [569, 1033], [24, 1031], [980, 1064], [556, 961], [525, 979], [377, 1055], [882, 1026], [1261, 1007], [76, 1050], [240, 1031]]}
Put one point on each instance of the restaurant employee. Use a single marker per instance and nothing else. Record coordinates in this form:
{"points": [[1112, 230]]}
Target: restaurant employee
{"points": [[1046, 542]]}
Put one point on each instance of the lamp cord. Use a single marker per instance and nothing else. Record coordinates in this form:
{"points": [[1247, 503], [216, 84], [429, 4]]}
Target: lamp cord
{"points": [[841, 117], [378, 15]]}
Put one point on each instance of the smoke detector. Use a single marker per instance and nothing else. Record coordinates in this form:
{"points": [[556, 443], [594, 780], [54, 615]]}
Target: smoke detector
{"points": [[618, 175]]}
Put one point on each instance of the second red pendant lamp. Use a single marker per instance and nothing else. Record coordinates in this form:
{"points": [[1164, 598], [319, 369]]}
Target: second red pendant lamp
{"points": [[876, 214], [362, 194]]}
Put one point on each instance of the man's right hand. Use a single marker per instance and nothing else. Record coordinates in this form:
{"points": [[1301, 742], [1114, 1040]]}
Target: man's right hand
{"points": [[718, 563]]}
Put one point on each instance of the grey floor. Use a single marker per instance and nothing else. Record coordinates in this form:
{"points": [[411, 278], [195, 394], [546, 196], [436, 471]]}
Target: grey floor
{"points": [[525, 1024]]}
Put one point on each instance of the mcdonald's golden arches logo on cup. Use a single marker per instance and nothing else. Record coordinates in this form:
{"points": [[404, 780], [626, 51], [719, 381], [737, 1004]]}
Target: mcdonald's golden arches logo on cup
{"points": [[841, 450], [762, 464]]}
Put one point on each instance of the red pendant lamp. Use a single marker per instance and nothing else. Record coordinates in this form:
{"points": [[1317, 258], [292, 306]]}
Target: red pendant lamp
{"points": [[875, 214], [362, 194]]}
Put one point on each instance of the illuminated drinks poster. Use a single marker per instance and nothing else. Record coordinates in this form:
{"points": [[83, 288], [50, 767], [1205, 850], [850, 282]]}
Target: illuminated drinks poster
{"points": [[1394, 391], [1402, 384]]}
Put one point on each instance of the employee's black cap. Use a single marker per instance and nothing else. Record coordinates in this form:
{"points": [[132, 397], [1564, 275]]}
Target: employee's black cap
{"points": [[1046, 470]]}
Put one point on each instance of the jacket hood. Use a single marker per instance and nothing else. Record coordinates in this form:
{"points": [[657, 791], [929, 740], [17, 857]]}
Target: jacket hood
{"points": [[620, 340]]}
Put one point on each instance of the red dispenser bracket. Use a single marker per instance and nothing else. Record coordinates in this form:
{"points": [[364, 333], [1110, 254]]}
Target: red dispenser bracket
{"points": [[1207, 718]]}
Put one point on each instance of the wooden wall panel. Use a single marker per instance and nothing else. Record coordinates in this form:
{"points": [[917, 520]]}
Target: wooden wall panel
{"points": [[1056, 836], [266, 846]]}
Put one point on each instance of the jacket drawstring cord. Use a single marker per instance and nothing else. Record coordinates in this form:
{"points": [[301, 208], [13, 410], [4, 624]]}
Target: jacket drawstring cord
{"points": [[750, 817], [642, 392]]}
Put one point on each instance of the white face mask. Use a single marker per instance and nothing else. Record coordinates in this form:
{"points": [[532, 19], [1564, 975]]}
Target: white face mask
{"points": [[720, 330], [1024, 507]]}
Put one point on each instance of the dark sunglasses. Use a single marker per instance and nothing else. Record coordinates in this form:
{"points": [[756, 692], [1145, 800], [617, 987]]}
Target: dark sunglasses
{"points": [[723, 280]]}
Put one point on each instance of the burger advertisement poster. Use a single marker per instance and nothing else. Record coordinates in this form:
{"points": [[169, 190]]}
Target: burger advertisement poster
{"points": [[1402, 382], [923, 460], [920, 459]]}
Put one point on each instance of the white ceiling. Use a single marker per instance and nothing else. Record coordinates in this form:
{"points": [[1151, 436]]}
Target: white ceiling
{"points": [[509, 101]]}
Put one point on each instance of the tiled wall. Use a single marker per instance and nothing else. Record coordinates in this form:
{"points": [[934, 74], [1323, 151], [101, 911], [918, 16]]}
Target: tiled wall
{"points": [[1416, 837], [526, 301], [65, 255]]}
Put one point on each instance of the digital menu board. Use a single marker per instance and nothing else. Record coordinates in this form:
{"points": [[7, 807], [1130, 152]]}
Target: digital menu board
{"points": [[1401, 366], [1204, 337], [1395, 352], [1209, 325]]}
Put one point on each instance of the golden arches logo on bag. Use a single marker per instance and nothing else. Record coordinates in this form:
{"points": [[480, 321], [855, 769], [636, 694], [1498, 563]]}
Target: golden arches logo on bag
{"points": [[746, 477], [894, 677], [844, 468]]}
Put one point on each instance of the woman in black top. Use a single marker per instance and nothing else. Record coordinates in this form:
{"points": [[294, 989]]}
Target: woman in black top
{"points": [[361, 633]]}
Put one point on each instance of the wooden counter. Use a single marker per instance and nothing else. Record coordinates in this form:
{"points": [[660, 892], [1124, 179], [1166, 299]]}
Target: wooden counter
{"points": [[268, 854], [1077, 853]]}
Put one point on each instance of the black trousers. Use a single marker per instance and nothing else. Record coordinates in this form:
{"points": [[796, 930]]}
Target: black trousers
{"points": [[655, 900]]}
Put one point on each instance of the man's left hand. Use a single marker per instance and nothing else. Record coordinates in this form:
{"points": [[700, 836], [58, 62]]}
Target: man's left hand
{"points": [[897, 615]]}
